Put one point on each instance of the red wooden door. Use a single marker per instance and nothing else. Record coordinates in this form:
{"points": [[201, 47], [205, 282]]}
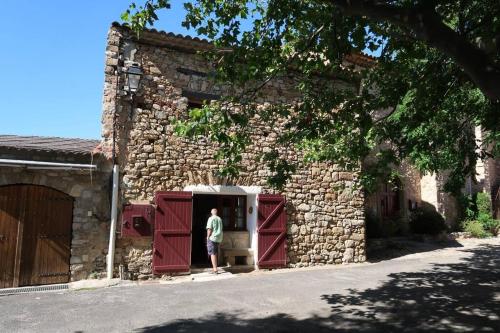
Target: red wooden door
{"points": [[271, 228], [172, 236], [389, 201]]}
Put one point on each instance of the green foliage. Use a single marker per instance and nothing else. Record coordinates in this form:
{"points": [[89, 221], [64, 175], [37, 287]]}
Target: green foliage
{"points": [[475, 228], [221, 127], [468, 207], [478, 213], [483, 203], [138, 17], [489, 224], [431, 105], [426, 220]]}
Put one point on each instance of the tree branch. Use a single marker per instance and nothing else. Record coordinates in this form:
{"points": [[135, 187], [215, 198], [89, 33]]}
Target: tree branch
{"points": [[427, 25], [283, 66]]}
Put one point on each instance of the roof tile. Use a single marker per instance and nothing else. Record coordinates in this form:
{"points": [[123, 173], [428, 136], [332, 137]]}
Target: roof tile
{"points": [[49, 144]]}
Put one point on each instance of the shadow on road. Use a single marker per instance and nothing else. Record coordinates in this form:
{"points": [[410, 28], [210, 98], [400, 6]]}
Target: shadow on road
{"points": [[447, 298], [389, 248]]}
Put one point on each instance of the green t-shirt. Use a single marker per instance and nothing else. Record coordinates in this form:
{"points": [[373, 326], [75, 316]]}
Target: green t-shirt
{"points": [[215, 223]]}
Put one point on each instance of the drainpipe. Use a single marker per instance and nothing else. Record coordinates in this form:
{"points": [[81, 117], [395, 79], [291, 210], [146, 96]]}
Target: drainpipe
{"points": [[112, 229], [114, 191], [134, 74]]}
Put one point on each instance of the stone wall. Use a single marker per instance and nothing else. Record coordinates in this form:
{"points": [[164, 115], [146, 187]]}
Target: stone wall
{"points": [[493, 176], [325, 210], [90, 191], [432, 192], [447, 203]]}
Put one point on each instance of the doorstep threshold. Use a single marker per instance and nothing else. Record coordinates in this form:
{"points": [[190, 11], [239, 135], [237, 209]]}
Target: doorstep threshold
{"points": [[34, 289], [208, 276]]}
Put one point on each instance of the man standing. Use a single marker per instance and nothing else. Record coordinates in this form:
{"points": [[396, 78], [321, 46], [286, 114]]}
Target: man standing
{"points": [[214, 238]]}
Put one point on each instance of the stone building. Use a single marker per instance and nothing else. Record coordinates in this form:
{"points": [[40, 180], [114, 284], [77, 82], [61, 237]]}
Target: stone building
{"points": [[55, 194], [317, 219], [396, 201], [487, 177], [54, 211]]}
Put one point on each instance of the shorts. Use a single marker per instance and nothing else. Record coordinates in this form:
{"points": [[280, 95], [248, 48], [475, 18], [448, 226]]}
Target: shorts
{"points": [[212, 247]]}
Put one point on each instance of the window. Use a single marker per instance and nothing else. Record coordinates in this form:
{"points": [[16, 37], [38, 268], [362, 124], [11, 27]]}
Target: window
{"points": [[232, 210], [196, 99], [194, 105]]}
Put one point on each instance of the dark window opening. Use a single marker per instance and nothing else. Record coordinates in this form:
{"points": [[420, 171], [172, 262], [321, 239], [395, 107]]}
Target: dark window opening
{"points": [[194, 105], [232, 211], [188, 71], [240, 260], [199, 96]]}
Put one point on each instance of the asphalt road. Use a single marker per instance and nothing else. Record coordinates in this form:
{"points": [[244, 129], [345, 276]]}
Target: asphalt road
{"points": [[449, 289]]}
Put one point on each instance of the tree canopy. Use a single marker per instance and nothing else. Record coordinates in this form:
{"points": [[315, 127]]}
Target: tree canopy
{"points": [[436, 77]]}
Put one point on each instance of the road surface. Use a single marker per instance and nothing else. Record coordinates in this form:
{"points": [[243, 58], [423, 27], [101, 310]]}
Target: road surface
{"points": [[454, 288]]}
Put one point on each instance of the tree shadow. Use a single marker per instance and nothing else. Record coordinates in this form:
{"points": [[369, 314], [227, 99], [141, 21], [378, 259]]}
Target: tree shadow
{"points": [[234, 322], [380, 249], [449, 297], [458, 297]]}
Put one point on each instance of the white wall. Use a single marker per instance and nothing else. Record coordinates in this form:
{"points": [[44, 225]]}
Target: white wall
{"points": [[252, 224], [429, 189]]}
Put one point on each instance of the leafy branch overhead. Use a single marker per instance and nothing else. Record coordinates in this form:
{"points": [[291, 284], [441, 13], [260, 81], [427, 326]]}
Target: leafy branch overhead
{"points": [[437, 76]]}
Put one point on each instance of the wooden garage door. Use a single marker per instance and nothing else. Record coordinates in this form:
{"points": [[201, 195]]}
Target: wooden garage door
{"points": [[35, 235], [10, 210]]}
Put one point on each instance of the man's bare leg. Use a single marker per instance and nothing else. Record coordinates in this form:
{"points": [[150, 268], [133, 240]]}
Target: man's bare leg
{"points": [[213, 258]]}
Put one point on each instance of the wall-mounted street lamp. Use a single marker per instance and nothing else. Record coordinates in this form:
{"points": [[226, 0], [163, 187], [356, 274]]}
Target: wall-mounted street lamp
{"points": [[134, 74]]}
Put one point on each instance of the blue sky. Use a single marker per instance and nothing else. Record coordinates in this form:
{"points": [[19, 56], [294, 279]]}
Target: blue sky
{"points": [[52, 62]]}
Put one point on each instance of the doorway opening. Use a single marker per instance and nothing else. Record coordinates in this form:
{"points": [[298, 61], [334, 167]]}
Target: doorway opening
{"points": [[202, 204], [232, 210]]}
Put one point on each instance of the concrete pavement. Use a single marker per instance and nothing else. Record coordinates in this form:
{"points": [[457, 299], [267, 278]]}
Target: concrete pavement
{"points": [[449, 289]]}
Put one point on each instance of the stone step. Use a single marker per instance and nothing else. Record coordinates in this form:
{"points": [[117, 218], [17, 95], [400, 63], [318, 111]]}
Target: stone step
{"points": [[206, 276], [244, 252]]}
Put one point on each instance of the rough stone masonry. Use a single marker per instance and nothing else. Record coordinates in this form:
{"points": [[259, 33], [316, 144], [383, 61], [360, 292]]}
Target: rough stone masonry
{"points": [[324, 209]]}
